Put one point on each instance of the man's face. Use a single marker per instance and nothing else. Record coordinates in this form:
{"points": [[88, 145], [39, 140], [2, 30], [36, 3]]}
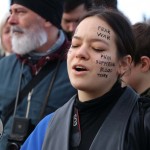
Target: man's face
{"points": [[70, 19], [27, 29]]}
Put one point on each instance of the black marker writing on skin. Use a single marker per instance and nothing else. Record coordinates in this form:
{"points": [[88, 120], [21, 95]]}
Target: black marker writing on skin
{"points": [[104, 69], [104, 29], [106, 57], [102, 75], [106, 65], [103, 32]]}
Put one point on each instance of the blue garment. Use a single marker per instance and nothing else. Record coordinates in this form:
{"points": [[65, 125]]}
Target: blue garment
{"points": [[36, 138], [10, 70]]}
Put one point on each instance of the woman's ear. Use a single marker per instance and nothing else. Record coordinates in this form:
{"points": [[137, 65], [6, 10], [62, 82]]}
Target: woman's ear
{"points": [[125, 65], [145, 64]]}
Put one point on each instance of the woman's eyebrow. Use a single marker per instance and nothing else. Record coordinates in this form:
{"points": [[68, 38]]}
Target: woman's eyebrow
{"points": [[76, 37], [99, 40], [93, 39]]}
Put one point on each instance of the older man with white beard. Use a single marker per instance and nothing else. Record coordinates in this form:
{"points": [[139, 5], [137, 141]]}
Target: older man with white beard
{"points": [[33, 81]]}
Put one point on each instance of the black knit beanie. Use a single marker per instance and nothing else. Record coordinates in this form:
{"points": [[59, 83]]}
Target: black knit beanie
{"points": [[51, 10]]}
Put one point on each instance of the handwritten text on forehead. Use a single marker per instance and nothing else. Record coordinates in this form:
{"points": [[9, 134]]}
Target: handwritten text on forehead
{"points": [[103, 32]]}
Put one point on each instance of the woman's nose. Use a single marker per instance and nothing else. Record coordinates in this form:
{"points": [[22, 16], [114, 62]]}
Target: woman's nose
{"points": [[82, 53]]}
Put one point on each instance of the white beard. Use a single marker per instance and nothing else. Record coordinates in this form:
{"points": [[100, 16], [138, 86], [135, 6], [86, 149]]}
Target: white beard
{"points": [[27, 40]]}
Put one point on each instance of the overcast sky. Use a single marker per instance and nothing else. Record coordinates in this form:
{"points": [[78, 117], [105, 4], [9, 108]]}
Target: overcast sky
{"points": [[133, 9]]}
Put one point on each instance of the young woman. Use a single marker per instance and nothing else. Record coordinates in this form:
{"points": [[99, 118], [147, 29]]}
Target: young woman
{"points": [[103, 115]]}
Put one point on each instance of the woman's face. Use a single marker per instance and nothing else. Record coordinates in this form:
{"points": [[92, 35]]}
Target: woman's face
{"points": [[92, 58], [6, 38]]}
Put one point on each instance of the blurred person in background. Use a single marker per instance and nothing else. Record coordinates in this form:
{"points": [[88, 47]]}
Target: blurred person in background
{"points": [[139, 75], [5, 38], [73, 10], [111, 4]]}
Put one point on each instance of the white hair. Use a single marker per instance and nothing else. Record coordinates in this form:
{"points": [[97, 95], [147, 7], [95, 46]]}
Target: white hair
{"points": [[31, 38]]}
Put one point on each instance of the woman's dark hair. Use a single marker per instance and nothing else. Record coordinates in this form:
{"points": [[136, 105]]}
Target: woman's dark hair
{"points": [[120, 25], [141, 33]]}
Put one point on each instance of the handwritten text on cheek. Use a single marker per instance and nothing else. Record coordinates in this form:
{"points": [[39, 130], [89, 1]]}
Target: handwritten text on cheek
{"points": [[106, 66]]}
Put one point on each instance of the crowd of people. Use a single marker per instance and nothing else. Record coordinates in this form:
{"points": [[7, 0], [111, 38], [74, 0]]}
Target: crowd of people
{"points": [[76, 77]]}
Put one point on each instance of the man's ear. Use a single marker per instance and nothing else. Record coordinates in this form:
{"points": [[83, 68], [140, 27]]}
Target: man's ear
{"points": [[48, 24], [125, 65], [145, 64]]}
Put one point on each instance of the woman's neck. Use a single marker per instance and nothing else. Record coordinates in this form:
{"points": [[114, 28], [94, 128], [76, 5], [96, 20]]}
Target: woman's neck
{"points": [[87, 96]]}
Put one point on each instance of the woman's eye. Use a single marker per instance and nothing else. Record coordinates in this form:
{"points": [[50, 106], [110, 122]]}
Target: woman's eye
{"points": [[74, 46], [98, 49]]}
